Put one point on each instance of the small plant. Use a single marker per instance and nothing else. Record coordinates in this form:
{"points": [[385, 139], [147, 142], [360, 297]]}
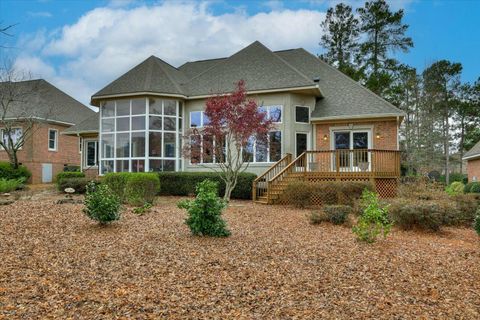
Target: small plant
{"points": [[475, 188], [101, 204], [141, 188], [455, 188], [476, 225], [7, 171], [204, 213], [143, 209], [373, 220], [337, 214], [7, 185], [316, 217]]}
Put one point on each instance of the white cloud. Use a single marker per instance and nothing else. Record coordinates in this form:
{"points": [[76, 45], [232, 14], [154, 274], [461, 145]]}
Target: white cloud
{"points": [[106, 42]]}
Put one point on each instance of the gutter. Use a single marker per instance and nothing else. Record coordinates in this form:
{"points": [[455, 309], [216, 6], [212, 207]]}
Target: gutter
{"points": [[360, 116]]}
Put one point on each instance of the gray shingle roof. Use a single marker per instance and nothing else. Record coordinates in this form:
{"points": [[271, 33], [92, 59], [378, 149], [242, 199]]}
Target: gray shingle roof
{"points": [[89, 125], [474, 152], [194, 68], [39, 98], [342, 96]]}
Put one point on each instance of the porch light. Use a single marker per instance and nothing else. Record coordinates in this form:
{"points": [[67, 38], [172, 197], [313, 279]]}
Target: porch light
{"points": [[379, 135], [325, 137]]}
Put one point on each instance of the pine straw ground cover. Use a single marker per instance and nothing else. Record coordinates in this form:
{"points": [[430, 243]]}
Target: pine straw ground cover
{"points": [[55, 263]]}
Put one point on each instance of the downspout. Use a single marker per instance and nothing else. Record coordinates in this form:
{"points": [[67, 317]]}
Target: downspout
{"points": [[81, 151], [398, 133]]}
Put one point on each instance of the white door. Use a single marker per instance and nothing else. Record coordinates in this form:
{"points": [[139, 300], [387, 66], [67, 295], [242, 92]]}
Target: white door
{"points": [[46, 172], [352, 150]]}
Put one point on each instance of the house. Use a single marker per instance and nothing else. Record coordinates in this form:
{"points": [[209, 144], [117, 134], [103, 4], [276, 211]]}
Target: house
{"points": [[473, 162], [47, 111], [327, 126]]}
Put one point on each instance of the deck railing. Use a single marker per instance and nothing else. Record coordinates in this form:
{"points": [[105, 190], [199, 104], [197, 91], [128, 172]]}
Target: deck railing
{"points": [[260, 183]]}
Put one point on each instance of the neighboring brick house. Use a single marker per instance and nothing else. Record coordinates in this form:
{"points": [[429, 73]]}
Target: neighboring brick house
{"points": [[145, 113], [45, 151], [473, 163]]}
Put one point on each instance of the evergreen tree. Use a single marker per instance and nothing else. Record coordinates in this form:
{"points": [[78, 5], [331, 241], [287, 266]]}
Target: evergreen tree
{"points": [[340, 38], [385, 33]]}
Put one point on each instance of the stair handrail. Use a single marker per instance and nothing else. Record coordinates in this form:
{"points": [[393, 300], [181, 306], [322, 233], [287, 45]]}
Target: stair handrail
{"points": [[287, 158], [287, 167]]}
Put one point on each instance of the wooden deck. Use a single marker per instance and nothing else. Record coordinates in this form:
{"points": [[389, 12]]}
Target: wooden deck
{"points": [[381, 167]]}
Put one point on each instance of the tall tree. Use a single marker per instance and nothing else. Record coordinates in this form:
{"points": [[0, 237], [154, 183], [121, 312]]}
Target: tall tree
{"points": [[441, 83], [385, 34], [340, 38], [233, 119]]}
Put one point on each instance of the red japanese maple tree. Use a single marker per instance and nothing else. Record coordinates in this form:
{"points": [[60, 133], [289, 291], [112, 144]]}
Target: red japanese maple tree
{"points": [[233, 119]]}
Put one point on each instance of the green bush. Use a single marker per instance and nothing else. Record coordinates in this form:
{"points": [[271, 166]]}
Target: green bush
{"points": [[78, 184], [468, 186], [8, 172], [67, 175], [337, 214], [141, 188], [71, 169], [303, 194], [374, 219], [183, 183], [101, 204], [408, 214], [464, 211], [454, 177], [204, 213], [8, 185], [117, 181], [475, 188], [455, 188], [316, 217], [476, 224]]}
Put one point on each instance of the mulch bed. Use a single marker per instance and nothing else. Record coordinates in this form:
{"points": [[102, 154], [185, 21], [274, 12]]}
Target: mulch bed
{"points": [[55, 263]]}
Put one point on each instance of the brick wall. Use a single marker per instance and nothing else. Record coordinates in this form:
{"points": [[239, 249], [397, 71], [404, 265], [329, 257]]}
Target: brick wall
{"points": [[35, 151], [386, 128], [473, 169]]}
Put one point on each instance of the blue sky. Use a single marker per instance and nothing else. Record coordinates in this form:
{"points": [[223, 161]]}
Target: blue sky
{"points": [[81, 46]]}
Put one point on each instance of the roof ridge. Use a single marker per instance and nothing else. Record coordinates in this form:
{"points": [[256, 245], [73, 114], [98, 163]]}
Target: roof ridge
{"points": [[167, 73], [202, 60], [351, 80]]}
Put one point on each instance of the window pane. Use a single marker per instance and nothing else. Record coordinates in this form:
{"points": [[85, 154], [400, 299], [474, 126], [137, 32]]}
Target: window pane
{"points": [[155, 106], [122, 166], [342, 140], [108, 109], [52, 137], [107, 166], [195, 149], [276, 113], [138, 165], [156, 165], [301, 141], [275, 145], [169, 123], [155, 144], [261, 151], [360, 140], [123, 124], [248, 151], [301, 114], [138, 123], [155, 123], [206, 120], [180, 109], [123, 107], [138, 106], [207, 149], [107, 145], [169, 145], [195, 119], [169, 107], [91, 150], [108, 125], [123, 145], [168, 165], [138, 144]]}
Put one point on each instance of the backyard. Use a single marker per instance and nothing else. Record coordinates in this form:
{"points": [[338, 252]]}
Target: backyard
{"points": [[58, 263]]}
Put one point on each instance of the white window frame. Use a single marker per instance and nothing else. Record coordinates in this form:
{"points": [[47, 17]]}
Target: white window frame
{"points": [[267, 109], [202, 113], [85, 154], [268, 149], [1, 136], [55, 148], [308, 140], [352, 130], [214, 157], [295, 114]]}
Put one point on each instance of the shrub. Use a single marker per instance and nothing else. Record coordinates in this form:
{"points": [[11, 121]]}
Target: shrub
{"points": [[101, 204], [141, 188], [8, 172], [117, 181], [8, 185], [374, 219], [422, 214], [71, 169], [468, 187], [464, 211], [316, 217], [453, 177], [476, 225], [79, 184], [455, 188], [67, 175], [475, 188], [337, 214], [302, 194], [183, 183], [204, 213]]}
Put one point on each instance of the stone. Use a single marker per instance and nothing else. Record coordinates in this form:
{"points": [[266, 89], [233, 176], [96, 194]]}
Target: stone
{"points": [[69, 190]]}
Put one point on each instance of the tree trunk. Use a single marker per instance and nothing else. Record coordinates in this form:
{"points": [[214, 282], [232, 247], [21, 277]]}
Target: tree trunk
{"points": [[446, 149], [12, 156]]}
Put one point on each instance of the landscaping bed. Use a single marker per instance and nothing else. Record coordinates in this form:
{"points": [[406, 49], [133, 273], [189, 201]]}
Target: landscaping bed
{"points": [[58, 263]]}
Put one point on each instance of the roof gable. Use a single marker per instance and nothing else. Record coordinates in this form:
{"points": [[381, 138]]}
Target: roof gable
{"points": [[474, 152]]}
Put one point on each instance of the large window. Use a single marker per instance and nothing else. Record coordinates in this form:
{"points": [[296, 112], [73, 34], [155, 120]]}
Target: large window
{"points": [[302, 114], [269, 150], [204, 150], [52, 139], [274, 113], [91, 154], [140, 135], [15, 133], [198, 119]]}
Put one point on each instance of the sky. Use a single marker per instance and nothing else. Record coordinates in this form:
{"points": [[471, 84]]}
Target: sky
{"points": [[81, 46]]}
